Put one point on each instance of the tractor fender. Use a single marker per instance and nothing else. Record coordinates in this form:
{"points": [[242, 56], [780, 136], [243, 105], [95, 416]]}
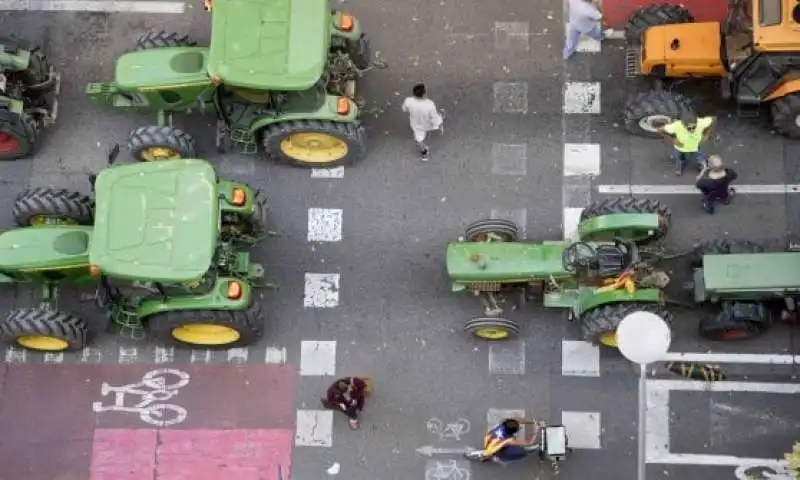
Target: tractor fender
{"points": [[225, 188], [786, 88], [625, 225], [16, 61], [214, 299], [352, 35], [326, 112], [593, 300]]}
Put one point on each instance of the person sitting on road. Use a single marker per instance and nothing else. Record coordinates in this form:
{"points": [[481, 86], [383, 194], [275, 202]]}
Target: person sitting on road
{"points": [[348, 395], [501, 444]]}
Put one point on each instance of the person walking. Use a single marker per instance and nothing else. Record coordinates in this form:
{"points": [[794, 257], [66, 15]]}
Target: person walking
{"points": [[687, 136], [714, 183], [584, 19], [348, 395], [423, 117]]}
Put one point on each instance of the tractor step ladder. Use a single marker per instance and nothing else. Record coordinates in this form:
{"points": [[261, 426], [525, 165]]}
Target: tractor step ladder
{"points": [[632, 61]]}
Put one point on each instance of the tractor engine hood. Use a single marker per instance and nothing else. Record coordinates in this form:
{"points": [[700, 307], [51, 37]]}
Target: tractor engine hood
{"points": [[689, 49]]}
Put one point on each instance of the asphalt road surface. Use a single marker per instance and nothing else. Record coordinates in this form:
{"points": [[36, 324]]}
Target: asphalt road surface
{"points": [[359, 262]]}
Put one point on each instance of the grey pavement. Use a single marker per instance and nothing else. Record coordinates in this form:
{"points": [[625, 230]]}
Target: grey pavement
{"points": [[392, 315]]}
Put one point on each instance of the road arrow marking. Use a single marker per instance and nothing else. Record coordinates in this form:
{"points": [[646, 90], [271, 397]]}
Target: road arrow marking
{"points": [[429, 450]]}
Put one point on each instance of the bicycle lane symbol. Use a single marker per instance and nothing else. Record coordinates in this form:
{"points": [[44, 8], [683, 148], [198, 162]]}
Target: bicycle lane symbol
{"points": [[153, 391]]}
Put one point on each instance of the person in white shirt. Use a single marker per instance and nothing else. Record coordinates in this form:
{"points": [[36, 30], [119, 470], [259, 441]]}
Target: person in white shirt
{"points": [[423, 116], [584, 19]]}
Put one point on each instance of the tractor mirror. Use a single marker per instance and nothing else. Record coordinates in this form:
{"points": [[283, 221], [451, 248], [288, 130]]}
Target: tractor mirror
{"points": [[113, 153]]}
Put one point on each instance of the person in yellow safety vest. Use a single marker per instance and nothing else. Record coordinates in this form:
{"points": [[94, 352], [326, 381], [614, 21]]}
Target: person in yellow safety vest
{"points": [[687, 135], [501, 445]]}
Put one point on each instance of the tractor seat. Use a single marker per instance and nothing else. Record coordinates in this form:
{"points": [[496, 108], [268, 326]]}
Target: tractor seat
{"points": [[72, 243], [611, 260]]}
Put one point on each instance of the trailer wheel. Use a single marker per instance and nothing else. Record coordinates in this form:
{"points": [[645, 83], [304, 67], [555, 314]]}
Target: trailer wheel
{"points": [[18, 134], [493, 329], [647, 112], [736, 321], [723, 247], [163, 39], [651, 16], [599, 325], [42, 206], [611, 206], [44, 330], [786, 115], [212, 329], [314, 143], [154, 143], [495, 229]]}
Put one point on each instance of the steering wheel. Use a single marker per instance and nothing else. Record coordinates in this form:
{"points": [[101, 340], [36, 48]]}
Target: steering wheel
{"points": [[577, 254]]}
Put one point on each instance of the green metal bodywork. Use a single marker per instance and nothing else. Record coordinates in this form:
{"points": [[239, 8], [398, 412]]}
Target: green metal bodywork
{"points": [[163, 69], [749, 276], [506, 262], [14, 61], [633, 226], [582, 299]]}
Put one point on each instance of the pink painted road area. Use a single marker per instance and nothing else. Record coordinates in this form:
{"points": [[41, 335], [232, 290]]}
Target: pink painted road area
{"points": [[146, 422]]}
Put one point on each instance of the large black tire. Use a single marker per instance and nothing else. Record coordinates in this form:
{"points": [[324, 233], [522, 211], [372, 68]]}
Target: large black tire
{"points": [[38, 72], [736, 321], [648, 111], [479, 231], [144, 143], [277, 136], [18, 135], [786, 115], [610, 206], [360, 52], [249, 323], [38, 322], [57, 203], [606, 318], [652, 15], [723, 247], [163, 39]]}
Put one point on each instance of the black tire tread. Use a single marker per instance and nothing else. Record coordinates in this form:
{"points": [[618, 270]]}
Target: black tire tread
{"points": [[615, 205], [54, 202], [784, 112], [249, 323], [654, 102], [652, 15], [497, 225], [607, 317], [352, 133], [724, 246], [163, 39], [26, 128], [360, 52], [42, 322], [150, 136]]}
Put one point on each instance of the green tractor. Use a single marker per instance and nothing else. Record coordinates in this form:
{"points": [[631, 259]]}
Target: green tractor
{"points": [[609, 272], [279, 75], [29, 89], [166, 244]]}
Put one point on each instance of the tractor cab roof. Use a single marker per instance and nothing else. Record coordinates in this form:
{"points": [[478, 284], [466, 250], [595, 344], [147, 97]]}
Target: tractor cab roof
{"points": [[269, 44], [749, 272], [500, 261], [775, 25], [156, 221]]}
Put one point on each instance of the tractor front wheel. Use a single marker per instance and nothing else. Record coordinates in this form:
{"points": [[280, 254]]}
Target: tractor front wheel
{"points": [[43, 206], [360, 52], [314, 143], [44, 330], [786, 115], [651, 16], [612, 206], [736, 321], [647, 112], [599, 325], [153, 143], [495, 229], [493, 329], [18, 134], [213, 329], [723, 247], [163, 39]]}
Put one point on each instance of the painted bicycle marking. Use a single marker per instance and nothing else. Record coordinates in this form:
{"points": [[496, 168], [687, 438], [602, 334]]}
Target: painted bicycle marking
{"points": [[446, 431], [763, 472], [447, 470], [155, 388]]}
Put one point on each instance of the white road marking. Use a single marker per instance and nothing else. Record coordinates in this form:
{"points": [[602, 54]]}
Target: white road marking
{"points": [[579, 359], [571, 220], [510, 97], [511, 36], [314, 428], [324, 225], [581, 159], [321, 290], [509, 159], [616, 35], [582, 97], [164, 355], [90, 355], [275, 355], [335, 172], [15, 354], [517, 215], [50, 357], [752, 358], [237, 355], [583, 428], [200, 356], [128, 355], [497, 415], [317, 358], [588, 45], [94, 6], [690, 189], [507, 358]]}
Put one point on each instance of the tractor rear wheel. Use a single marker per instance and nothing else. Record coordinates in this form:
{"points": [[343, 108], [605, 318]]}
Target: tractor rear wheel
{"points": [[488, 328], [736, 321], [314, 143], [163, 39], [611, 206], [786, 115], [43, 206], [651, 16], [647, 112], [599, 325], [723, 247], [18, 134], [44, 330], [213, 329], [153, 143], [495, 229]]}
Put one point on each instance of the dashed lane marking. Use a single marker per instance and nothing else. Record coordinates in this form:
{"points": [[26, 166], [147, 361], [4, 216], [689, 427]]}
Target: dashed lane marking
{"points": [[582, 98], [128, 354], [509, 159], [200, 356], [53, 357], [93, 6], [691, 190], [321, 290], [579, 359], [324, 225], [335, 172], [160, 355], [164, 355], [91, 355], [237, 355], [583, 428], [581, 159], [571, 220], [314, 428], [512, 36], [317, 358], [507, 358], [511, 97]]}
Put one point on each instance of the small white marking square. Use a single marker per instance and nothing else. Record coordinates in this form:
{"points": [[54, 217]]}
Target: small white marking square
{"points": [[511, 36], [589, 45], [90, 355], [582, 97], [321, 290], [583, 429], [237, 355], [324, 225], [317, 358], [314, 428], [334, 172], [517, 215], [127, 355], [579, 359], [572, 219], [200, 356], [497, 415], [507, 358], [275, 355], [511, 97], [163, 355], [581, 159], [509, 159], [53, 357]]}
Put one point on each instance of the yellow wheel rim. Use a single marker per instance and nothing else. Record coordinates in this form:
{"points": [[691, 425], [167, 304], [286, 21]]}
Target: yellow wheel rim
{"points": [[609, 339], [39, 220], [43, 343], [492, 333], [153, 154], [205, 334], [314, 147]]}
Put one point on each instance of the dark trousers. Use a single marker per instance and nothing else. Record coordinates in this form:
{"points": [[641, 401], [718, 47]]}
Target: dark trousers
{"points": [[351, 411], [710, 199], [511, 453], [683, 158]]}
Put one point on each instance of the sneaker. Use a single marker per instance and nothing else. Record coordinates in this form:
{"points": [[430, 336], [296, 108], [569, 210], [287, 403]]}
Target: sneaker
{"points": [[424, 155], [731, 194], [354, 424]]}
